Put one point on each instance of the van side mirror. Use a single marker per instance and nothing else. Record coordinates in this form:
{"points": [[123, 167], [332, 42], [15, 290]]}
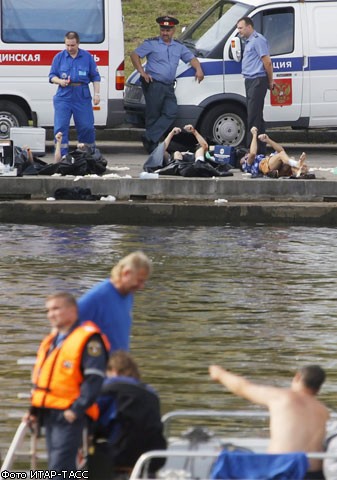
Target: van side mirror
{"points": [[236, 49]]}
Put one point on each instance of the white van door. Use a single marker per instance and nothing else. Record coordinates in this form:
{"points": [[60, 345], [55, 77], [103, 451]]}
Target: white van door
{"points": [[322, 63]]}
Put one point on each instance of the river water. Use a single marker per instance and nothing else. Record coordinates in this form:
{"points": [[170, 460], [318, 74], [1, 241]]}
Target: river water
{"points": [[260, 301]]}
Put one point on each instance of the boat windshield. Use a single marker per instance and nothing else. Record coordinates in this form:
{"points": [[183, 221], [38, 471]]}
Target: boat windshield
{"points": [[203, 36]]}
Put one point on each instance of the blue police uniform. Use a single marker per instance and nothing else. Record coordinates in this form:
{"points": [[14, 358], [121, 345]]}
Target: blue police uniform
{"points": [[75, 99], [256, 83], [161, 102]]}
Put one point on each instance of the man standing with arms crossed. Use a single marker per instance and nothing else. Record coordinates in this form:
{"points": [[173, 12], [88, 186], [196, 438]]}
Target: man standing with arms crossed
{"points": [[158, 76], [257, 69], [297, 418]]}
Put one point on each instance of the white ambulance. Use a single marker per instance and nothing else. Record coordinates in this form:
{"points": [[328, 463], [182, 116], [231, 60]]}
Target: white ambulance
{"points": [[32, 32], [302, 36]]}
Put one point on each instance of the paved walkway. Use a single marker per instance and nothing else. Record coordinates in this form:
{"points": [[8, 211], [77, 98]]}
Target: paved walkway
{"points": [[128, 157], [177, 200]]}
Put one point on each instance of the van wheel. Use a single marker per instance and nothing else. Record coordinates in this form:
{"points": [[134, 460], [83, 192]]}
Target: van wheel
{"points": [[11, 115], [225, 125]]}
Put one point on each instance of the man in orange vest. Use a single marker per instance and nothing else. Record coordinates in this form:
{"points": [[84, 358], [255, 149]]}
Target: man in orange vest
{"points": [[67, 378]]}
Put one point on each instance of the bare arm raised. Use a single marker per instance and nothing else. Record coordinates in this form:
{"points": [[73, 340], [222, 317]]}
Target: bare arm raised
{"points": [[200, 139], [170, 135], [256, 393]]}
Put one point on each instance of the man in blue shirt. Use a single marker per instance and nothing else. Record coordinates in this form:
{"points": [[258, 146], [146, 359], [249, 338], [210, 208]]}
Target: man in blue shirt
{"points": [[163, 54], [109, 303], [72, 70], [257, 69]]}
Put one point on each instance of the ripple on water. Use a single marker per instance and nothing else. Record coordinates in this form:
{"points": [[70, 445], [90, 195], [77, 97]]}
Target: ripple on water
{"points": [[258, 300]]}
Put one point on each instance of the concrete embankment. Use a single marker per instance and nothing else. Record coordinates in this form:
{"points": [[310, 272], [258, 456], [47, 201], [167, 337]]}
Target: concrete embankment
{"points": [[177, 200], [171, 201], [173, 213]]}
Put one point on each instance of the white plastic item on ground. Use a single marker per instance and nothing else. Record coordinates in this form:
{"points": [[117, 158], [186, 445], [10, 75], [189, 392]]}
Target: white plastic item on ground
{"points": [[148, 175], [108, 198]]}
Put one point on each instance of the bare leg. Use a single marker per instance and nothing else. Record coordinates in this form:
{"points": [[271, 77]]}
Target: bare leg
{"points": [[302, 167], [281, 155]]}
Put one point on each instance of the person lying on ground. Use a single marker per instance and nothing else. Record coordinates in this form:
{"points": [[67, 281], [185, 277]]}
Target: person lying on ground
{"points": [[297, 418], [166, 161], [83, 147], [202, 145], [277, 164]]}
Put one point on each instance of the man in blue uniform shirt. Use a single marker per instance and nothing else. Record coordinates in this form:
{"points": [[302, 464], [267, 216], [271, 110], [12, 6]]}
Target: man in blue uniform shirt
{"points": [[72, 70], [109, 303], [257, 70], [163, 54]]}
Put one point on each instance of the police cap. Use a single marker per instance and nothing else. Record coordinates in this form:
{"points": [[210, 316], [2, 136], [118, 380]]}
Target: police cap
{"points": [[167, 21]]}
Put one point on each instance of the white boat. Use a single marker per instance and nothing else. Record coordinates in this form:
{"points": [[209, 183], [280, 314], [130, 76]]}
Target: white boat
{"points": [[190, 455]]}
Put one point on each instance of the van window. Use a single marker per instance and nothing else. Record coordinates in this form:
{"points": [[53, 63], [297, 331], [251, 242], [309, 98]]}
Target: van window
{"points": [[278, 27], [213, 28], [41, 21], [324, 29]]}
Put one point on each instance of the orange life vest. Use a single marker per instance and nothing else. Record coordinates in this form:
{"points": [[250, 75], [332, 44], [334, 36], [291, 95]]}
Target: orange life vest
{"points": [[57, 377]]}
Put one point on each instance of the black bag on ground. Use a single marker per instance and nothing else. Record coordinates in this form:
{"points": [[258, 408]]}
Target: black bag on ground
{"points": [[74, 163], [202, 169], [25, 166], [96, 163], [75, 193]]}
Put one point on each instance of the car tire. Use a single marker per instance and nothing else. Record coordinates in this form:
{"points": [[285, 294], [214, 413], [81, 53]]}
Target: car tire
{"points": [[11, 115], [225, 125]]}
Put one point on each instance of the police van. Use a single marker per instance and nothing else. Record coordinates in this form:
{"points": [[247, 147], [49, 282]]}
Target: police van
{"points": [[303, 45], [32, 32]]}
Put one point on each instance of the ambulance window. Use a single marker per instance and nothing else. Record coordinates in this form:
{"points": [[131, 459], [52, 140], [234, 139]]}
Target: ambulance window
{"points": [[41, 21], [278, 27]]}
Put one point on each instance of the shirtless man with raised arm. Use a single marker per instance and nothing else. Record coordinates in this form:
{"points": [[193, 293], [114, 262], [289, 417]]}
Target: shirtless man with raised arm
{"points": [[297, 418]]}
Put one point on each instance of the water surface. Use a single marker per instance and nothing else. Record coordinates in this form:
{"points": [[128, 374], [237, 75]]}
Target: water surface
{"points": [[260, 301]]}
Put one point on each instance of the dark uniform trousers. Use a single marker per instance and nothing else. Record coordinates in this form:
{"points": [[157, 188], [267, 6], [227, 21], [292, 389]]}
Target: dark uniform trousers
{"points": [[256, 89], [161, 109], [61, 453]]}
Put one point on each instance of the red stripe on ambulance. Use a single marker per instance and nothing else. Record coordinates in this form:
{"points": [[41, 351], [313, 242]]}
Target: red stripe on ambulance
{"points": [[43, 57]]}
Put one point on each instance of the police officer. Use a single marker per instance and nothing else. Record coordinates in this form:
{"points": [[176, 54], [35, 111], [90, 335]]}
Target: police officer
{"points": [[72, 70], [257, 70], [158, 76], [67, 378]]}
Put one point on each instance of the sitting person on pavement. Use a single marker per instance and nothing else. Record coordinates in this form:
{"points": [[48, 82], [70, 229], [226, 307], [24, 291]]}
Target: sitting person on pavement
{"points": [[129, 423], [277, 164], [297, 418]]}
